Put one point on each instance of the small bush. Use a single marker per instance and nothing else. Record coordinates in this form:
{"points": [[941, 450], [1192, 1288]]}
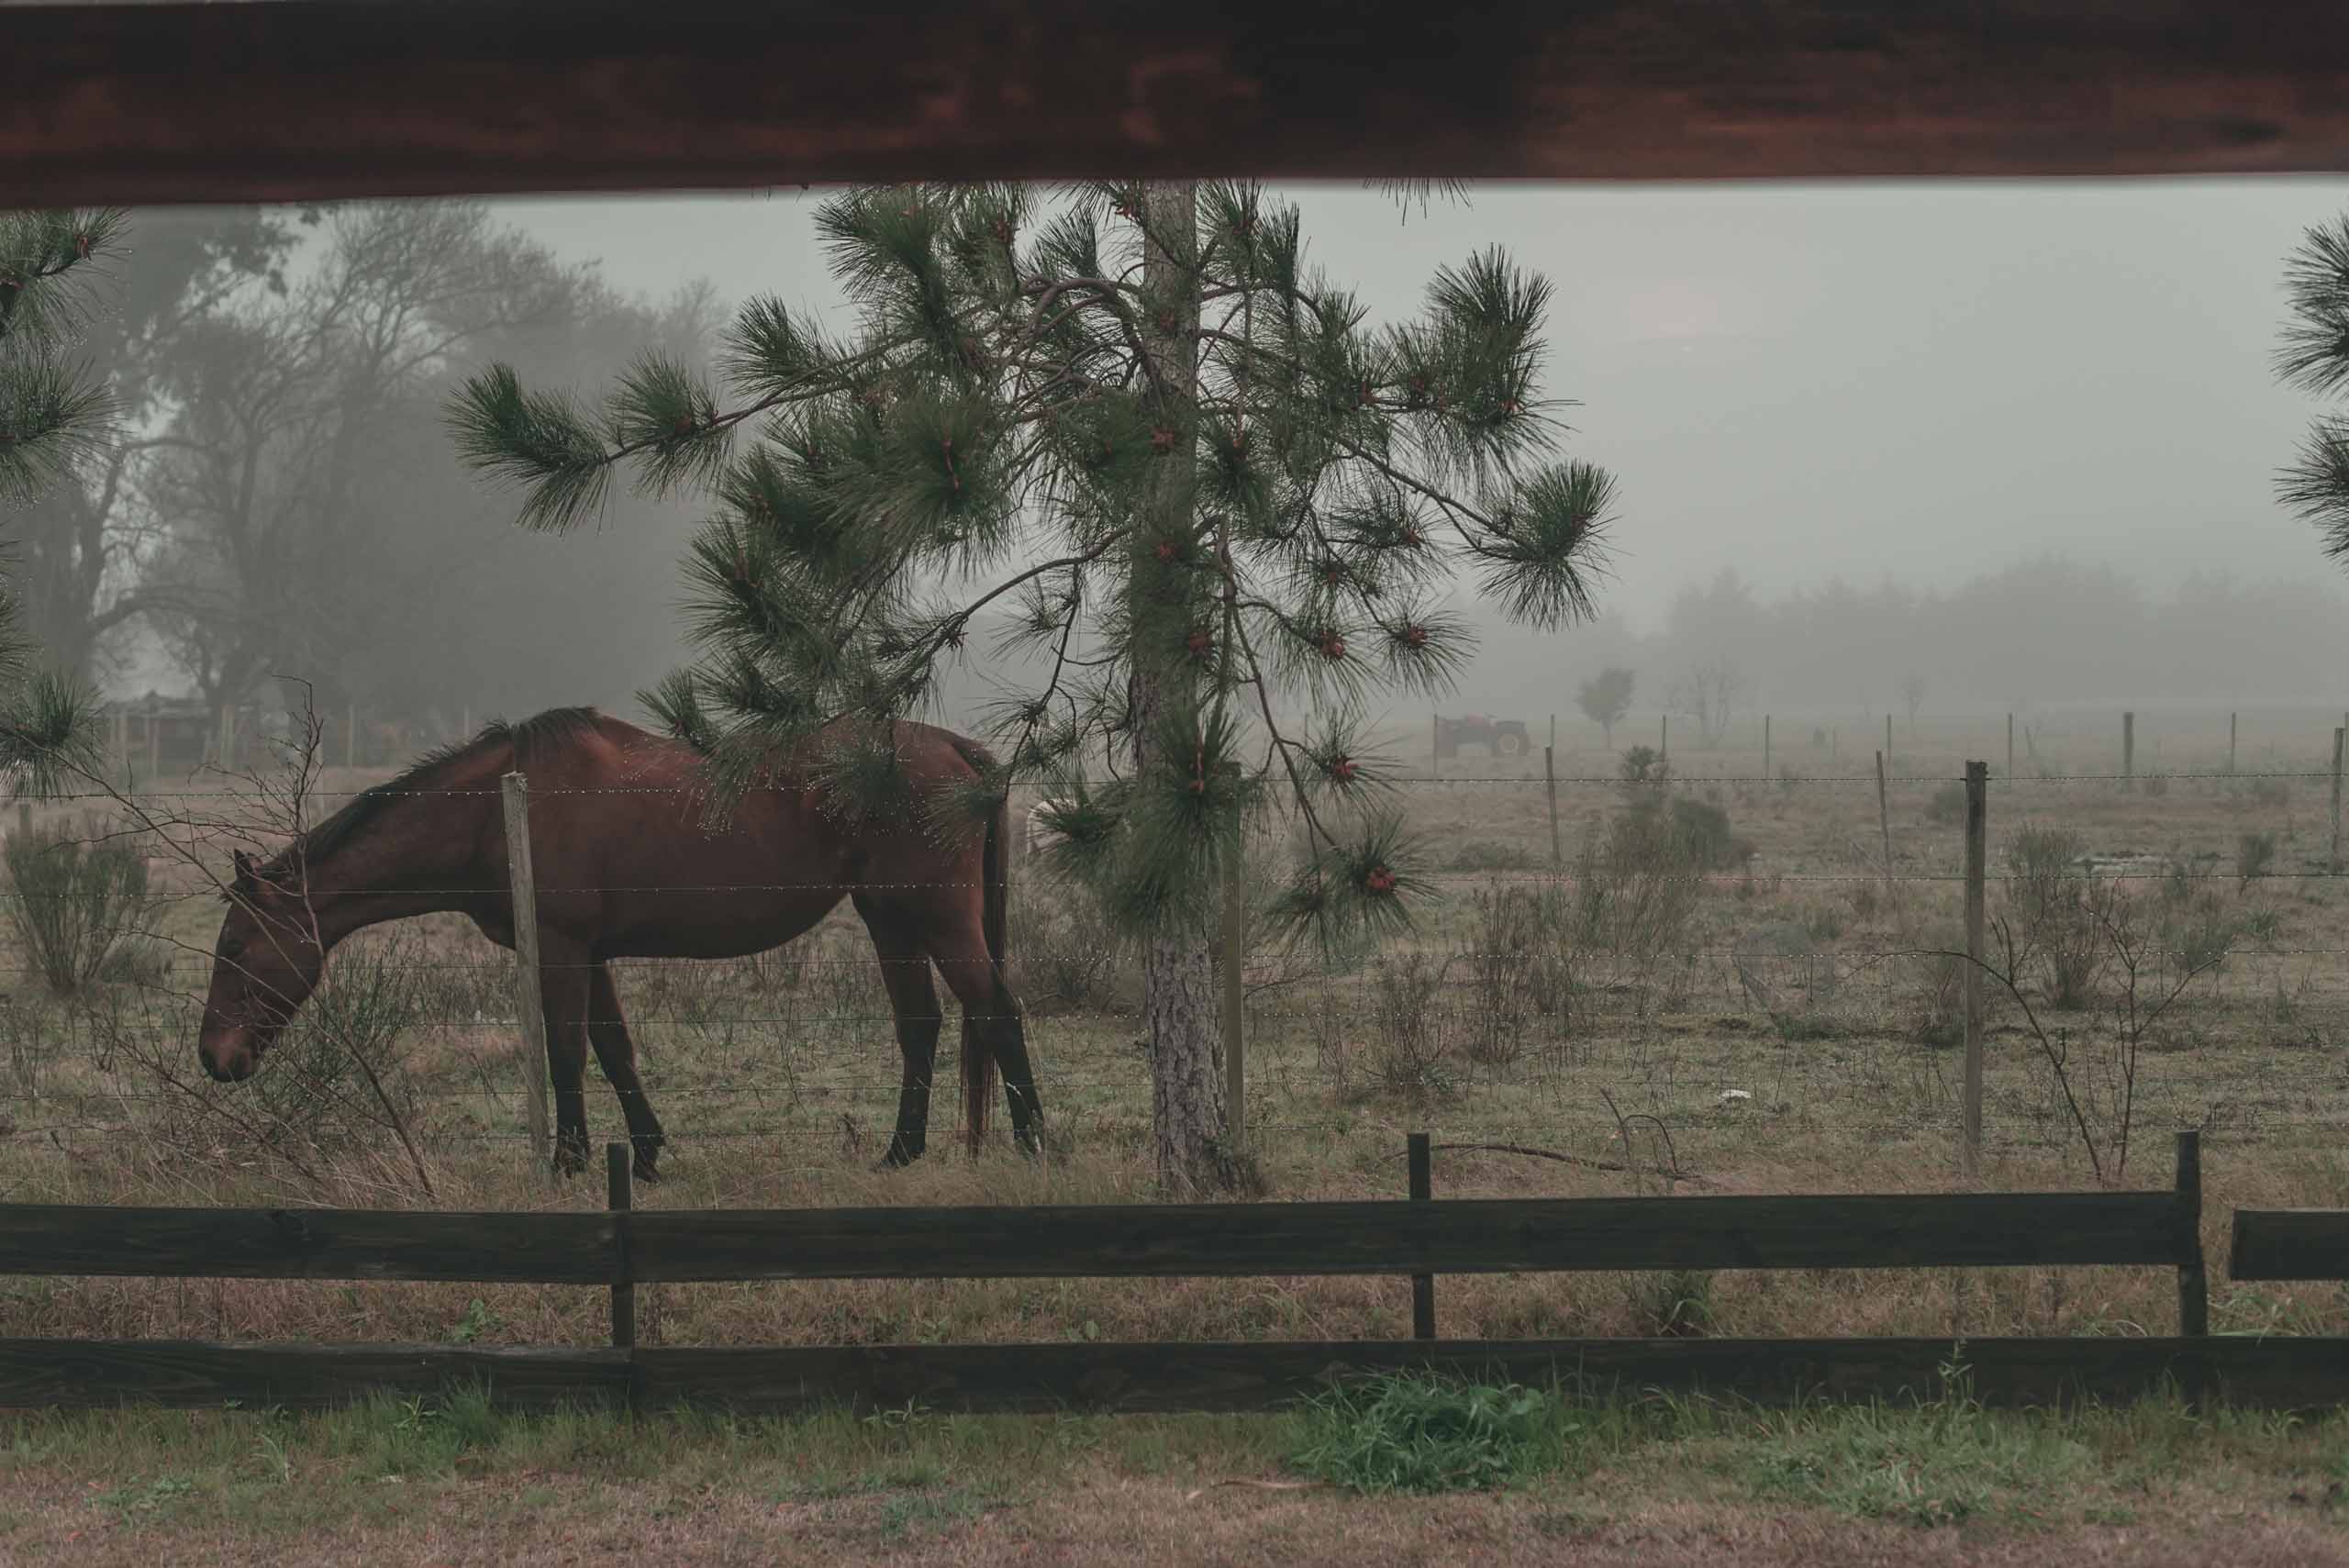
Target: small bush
{"points": [[1508, 949], [2255, 852], [1703, 829], [1423, 1434], [336, 1078], [78, 896], [1948, 804], [1412, 1051], [2061, 912], [1642, 765], [2271, 792]]}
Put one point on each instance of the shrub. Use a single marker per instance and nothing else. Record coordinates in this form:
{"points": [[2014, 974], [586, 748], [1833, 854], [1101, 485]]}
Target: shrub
{"points": [[2255, 852], [1948, 804], [78, 897], [2059, 913], [336, 1078], [1637, 888], [1508, 937], [2271, 792], [1425, 1434], [1062, 957], [1641, 765], [1410, 1058], [1703, 829]]}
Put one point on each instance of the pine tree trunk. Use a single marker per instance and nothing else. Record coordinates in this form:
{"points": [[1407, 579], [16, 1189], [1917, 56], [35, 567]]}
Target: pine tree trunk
{"points": [[1178, 970]]}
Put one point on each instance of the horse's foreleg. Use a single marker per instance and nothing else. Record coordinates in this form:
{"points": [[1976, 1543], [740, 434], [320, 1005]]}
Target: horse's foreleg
{"points": [[564, 970], [913, 999], [607, 1032]]}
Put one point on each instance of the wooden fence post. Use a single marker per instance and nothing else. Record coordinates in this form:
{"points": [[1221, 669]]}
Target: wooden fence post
{"points": [[619, 1198], [1664, 740], [1235, 1007], [528, 1003], [2193, 1281], [1978, 793], [1888, 739], [2128, 748], [1550, 782], [1883, 820], [1422, 1191], [2336, 801]]}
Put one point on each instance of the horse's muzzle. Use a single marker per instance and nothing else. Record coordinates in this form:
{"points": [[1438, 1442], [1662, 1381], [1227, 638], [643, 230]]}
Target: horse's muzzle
{"points": [[227, 1062]]}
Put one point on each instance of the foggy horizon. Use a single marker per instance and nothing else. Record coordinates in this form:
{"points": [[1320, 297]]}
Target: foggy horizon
{"points": [[1926, 388]]}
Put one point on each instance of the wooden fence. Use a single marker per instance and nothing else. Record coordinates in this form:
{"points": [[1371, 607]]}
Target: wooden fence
{"points": [[622, 1248]]}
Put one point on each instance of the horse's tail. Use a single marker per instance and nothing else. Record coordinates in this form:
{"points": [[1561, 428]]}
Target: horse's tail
{"points": [[978, 1044]]}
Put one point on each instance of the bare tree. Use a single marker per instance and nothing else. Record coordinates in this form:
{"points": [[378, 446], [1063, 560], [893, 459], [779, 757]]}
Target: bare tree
{"points": [[1707, 694]]}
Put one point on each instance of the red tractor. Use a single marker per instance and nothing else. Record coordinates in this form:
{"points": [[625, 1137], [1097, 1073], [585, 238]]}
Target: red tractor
{"points": [[1502, 737]]}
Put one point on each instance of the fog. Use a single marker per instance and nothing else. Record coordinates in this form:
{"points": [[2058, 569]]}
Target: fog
{"points": [[2014, 441]]}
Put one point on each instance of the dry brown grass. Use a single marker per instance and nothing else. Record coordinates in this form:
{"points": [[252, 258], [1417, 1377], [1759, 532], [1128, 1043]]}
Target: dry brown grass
{"points": [[776, 1080]]}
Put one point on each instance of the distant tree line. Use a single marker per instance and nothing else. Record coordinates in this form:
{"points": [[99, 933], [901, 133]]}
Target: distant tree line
{"points": [[280, 497]]}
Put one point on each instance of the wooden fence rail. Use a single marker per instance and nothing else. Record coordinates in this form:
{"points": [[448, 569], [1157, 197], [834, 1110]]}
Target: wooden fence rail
{"points": [[1420, 1238]]}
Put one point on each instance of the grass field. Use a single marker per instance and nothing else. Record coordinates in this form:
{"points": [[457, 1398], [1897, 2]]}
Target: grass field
{"points": [[1774, 1026]]}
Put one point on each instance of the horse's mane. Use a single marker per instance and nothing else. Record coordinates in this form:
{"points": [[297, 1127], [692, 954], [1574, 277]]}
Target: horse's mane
{"points": [[554, 727]]}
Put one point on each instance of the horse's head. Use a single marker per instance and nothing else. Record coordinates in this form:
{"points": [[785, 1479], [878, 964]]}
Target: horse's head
{"points": [[266, 964]]}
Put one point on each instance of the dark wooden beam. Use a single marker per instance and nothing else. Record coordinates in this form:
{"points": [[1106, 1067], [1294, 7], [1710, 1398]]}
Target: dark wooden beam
{"points": [[2290, 1244], [285, 100], [1462, 1235], [2275, 1373]]}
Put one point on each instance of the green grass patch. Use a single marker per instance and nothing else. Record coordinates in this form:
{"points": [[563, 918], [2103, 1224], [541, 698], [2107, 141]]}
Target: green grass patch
{"points": [[1424, 1434]]}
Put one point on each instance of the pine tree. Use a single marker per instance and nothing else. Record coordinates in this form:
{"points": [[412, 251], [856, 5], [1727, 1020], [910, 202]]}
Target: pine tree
{"points": [[1130, 433], [2314, 357], [52, 415]]}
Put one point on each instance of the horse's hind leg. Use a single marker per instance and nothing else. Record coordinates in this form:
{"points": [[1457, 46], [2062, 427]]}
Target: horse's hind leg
{"points": [[913, 998], [607, 1032], [994, 1012]]}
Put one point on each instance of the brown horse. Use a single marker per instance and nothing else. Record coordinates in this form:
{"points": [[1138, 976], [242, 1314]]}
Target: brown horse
{"points": [[625, 866]]}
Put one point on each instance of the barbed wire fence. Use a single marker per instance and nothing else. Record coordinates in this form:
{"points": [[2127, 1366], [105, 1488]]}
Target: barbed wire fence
{"points": [[1802, 984]]}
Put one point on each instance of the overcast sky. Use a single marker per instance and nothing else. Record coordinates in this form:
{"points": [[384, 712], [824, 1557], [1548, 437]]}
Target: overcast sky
{"points": [[1920, 381]]}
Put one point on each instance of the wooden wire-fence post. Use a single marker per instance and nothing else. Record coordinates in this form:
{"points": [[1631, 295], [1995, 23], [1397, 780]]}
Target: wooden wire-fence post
{"points": [[1977, 795], [1883, 820], [1664, 740], [619, 1197], [1422, 1191], [1888, 738], [530, 1003], [1550, 783], [2335, 862]]}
